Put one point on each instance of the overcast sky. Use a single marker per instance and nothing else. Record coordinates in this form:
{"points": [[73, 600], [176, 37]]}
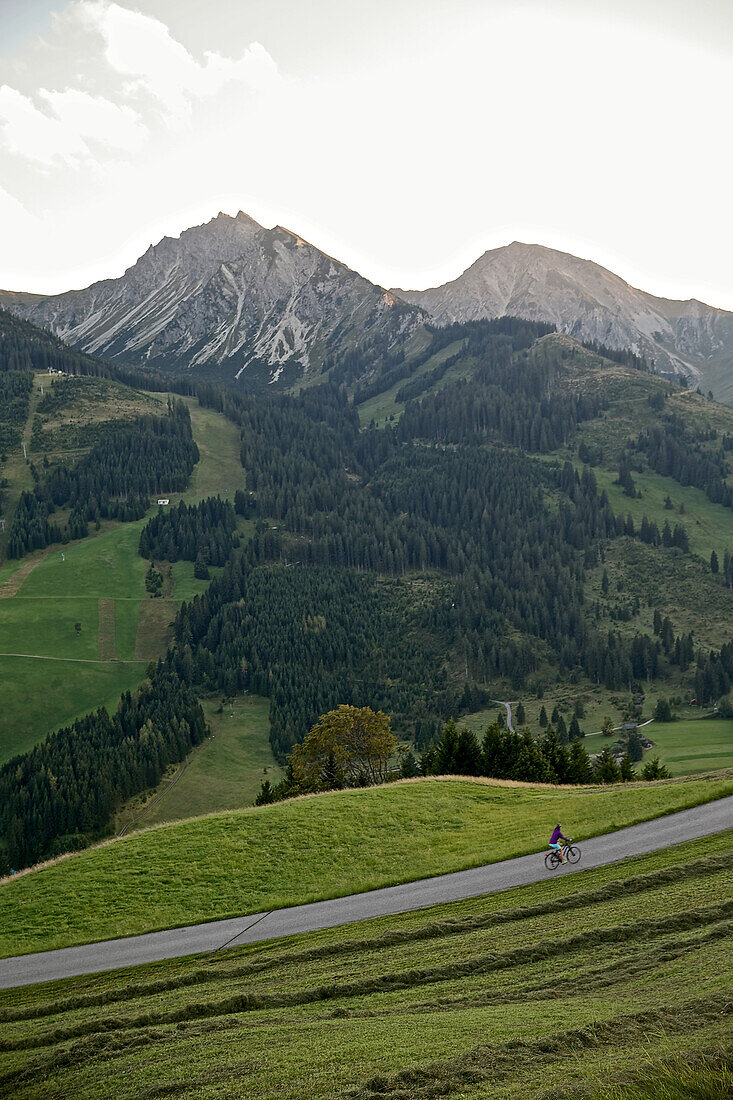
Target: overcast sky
{"points": [[404, 137]]}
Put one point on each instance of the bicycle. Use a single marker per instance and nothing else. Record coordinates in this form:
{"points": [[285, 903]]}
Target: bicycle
{"points": [[553, 858]]}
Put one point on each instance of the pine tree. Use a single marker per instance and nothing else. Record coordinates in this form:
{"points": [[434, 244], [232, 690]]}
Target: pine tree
{"points": [[606, 769], [626, 769]]}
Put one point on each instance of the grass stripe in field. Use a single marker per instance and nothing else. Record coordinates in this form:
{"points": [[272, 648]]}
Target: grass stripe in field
{"points": [[106, 643], [153, 624], [16, 573], [361, 1016]]}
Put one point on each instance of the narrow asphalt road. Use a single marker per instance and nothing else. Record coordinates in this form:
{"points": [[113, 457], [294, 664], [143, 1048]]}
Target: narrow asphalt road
{"points": [[662, 832], [508, 707]]}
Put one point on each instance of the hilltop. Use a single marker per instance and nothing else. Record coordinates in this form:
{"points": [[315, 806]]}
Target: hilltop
{"points": [[272, 857]]}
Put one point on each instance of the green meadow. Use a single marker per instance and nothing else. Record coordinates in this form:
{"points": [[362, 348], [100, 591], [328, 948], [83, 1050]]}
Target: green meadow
{"points": [[384, 406], [693, 745], [584, 986], [310, 848], [40, 696], [224, 773], [64, 673]]}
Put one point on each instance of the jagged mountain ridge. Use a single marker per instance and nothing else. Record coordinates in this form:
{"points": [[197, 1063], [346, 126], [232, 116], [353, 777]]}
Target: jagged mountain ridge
{"points": [[590, 303], [225, 295]]}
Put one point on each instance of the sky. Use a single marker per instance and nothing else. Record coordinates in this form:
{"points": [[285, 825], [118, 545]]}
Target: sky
{"points": [[404, 137]]}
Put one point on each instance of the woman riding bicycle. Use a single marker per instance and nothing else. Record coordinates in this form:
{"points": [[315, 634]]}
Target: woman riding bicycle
{"points": [[555, 841]]}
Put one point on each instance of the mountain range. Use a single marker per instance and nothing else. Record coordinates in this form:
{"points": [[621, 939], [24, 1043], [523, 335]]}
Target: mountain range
{"points": [[230, 296]]}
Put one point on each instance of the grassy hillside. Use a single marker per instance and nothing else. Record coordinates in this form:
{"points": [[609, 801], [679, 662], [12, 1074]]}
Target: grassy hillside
{"points": [[55, 674], [693, 745], [565, 988], [310, 848], [224, 773], [385, 407]]}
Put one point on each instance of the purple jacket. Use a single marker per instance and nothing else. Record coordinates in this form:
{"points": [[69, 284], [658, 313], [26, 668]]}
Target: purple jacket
{"points": [[557, 835]]}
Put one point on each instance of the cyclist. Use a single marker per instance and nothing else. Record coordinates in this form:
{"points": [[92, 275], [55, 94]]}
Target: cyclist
{"points": [[555, 841]]}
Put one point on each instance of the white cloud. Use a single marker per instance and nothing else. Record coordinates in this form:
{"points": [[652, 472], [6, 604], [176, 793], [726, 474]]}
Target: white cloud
{"points": [[65, 132], [95, 118], [141, 47], [28, 132]]}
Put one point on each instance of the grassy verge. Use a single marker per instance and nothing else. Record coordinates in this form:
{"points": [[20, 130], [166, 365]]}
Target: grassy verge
{"points": [[308, 849], [568, 988]]}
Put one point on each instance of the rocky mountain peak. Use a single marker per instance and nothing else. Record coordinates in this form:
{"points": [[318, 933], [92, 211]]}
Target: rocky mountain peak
{"points": [[587, 301], [225, 296]]}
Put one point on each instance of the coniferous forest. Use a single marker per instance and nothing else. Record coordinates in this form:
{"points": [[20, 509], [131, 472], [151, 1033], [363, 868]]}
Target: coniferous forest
{"points": [[188, 531], [407, 568], [115, 480]]}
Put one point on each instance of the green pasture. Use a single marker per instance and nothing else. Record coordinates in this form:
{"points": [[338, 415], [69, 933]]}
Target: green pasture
{"points": [[709, 526], [563, 988], [310, 848], [64, 588], [8, 569], [219, 469], [104, 564], [40, 695], [46, 627], [225, 773], [693, 745]]}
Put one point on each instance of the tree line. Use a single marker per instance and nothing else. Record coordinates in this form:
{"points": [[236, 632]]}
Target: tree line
{"points": [[189, 532], [24, 347], [675, 449]]}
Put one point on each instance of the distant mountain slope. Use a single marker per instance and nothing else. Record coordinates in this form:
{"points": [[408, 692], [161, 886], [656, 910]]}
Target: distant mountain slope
{"points": [[223, 297], [590, 303], [24, 346]]}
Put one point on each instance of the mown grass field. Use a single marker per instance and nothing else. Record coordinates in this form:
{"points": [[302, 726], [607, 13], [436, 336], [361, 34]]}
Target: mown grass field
{"points": [[693, 745], [40, 696], [225, 773], [566, 988], [306, 849], [63, 674]]}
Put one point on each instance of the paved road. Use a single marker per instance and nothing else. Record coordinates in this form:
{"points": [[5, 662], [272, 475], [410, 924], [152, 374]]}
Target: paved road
{"points": [[113, 954], [508, 707]]}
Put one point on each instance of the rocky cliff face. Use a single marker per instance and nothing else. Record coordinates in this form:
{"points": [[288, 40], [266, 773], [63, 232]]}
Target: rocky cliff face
{"points": [[224, 297], [588, 302]]}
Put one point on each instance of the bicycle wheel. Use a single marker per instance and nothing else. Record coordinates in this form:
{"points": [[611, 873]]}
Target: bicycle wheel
{"points": [[572, 854], [551, 860]]}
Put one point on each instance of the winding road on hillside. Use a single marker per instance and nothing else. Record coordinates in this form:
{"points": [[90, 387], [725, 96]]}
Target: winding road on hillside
{"points": [[649, 836]]}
